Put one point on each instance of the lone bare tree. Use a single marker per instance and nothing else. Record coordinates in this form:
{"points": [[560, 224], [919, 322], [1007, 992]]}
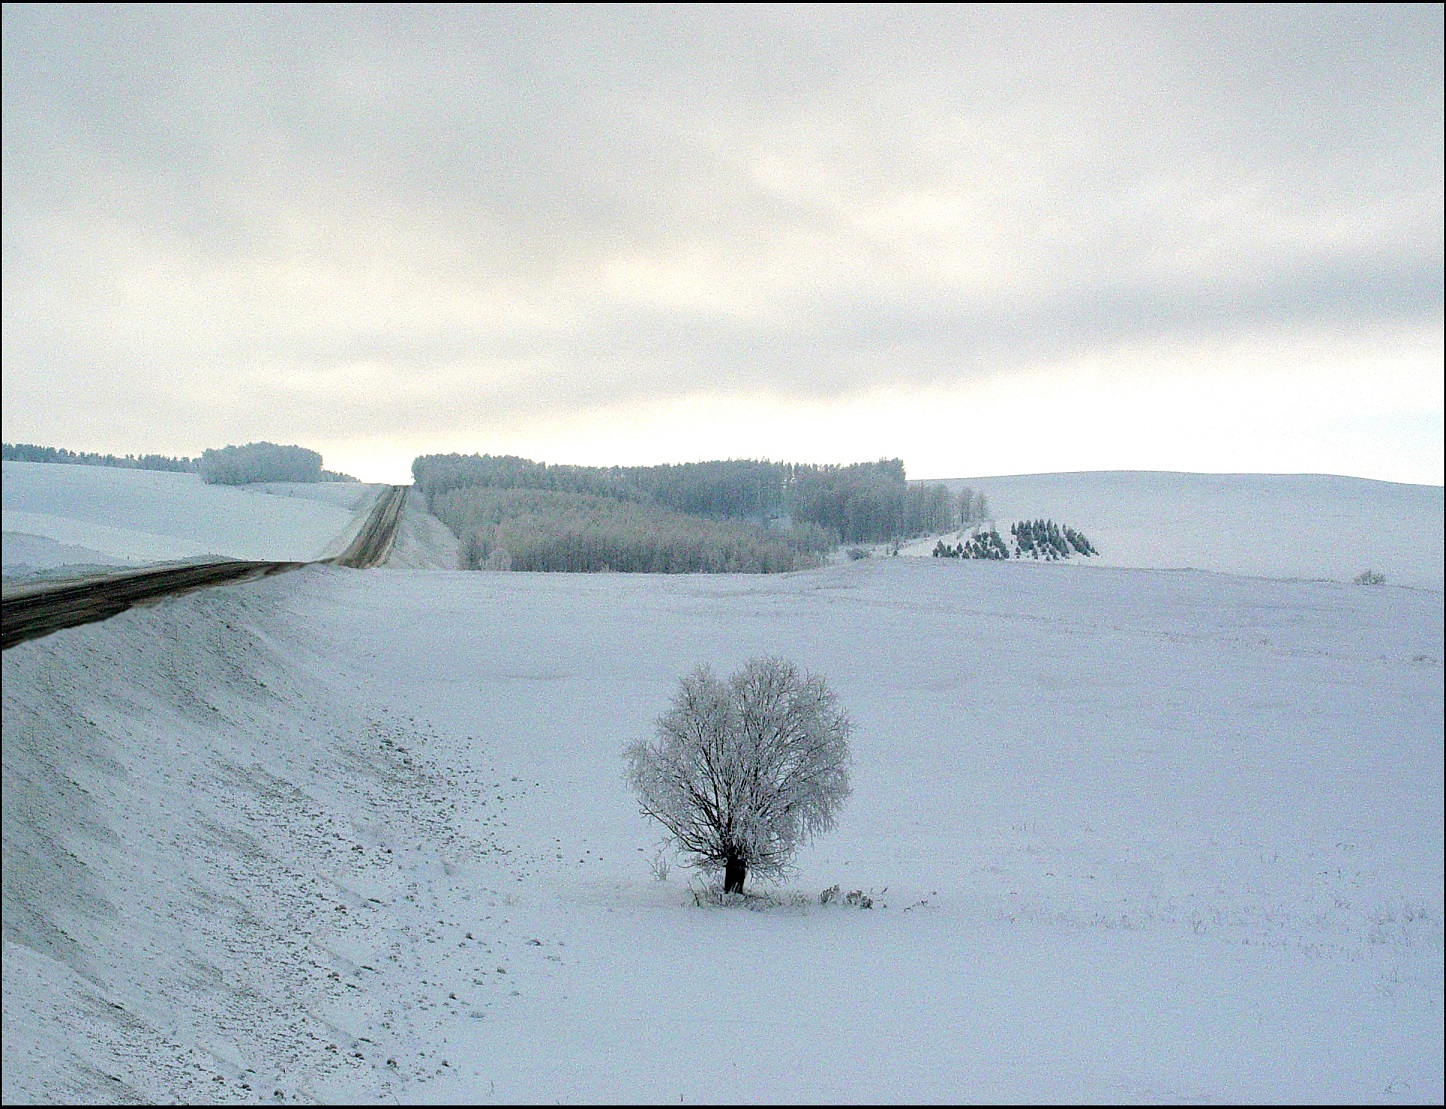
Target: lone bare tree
{"points": [[743, 772]]}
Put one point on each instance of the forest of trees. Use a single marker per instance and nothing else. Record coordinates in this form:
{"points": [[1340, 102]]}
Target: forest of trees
{"points": [[868, 502], [264, 462], [541, 529], [720, 490], [30, 452], [860, 503]]}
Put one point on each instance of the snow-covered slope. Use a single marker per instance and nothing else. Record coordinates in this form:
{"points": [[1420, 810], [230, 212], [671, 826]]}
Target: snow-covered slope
{"points": [[58, 515], [422, 542], [1266, 525], [1131, 836]]}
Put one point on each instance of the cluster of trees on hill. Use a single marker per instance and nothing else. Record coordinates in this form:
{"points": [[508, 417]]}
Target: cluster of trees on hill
{"points": [[30, 452], [1048, 540], [540, 529], [1031, 539], [985, 544], [264, 462], [864, 502]]}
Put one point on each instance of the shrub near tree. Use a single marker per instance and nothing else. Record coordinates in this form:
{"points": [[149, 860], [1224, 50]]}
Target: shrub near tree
{"points": [[744, 771]]}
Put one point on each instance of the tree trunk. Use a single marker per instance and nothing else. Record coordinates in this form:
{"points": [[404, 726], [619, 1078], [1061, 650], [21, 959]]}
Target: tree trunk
{"points": [[734, 872]]}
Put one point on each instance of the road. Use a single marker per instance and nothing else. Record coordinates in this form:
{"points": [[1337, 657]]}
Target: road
{"points": [[30, 612], [374, 542]]}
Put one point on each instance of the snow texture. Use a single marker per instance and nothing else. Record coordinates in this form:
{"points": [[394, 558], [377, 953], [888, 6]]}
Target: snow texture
{"points": [[25, 553], [1267, 525], [54, 515], [423, 542], [352, 836]]}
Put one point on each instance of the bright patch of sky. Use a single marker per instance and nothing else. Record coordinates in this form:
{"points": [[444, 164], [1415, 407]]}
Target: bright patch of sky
{"points": [[982, 239]]}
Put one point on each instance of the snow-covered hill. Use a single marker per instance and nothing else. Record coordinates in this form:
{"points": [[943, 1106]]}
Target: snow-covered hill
{"points": [[1132, 836], [58, 516], [1266, 525]]}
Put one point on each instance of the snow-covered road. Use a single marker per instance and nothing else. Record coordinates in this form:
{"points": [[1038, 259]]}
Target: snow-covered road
{"points": [[1132, 835]]}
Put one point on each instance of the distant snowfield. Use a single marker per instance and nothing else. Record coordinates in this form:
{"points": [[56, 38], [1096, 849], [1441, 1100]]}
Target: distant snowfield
{"points": [[1266, 525], [58, 515], [354, 836]]}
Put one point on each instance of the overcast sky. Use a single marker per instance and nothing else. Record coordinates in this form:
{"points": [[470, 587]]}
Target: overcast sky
{"points": [[985, 240]]}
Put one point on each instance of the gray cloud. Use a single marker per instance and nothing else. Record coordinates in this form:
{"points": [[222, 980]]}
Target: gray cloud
{"points": [[429, 214]]}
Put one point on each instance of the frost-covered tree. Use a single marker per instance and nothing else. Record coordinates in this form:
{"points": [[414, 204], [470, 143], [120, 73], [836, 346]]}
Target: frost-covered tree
{"points": [[973, 506], [744, 771], [965, 507], [259, 462]]}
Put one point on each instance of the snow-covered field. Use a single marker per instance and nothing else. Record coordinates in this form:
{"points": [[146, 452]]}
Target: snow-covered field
{"points": [[355, 836], [57, 517], [1266, 525]]}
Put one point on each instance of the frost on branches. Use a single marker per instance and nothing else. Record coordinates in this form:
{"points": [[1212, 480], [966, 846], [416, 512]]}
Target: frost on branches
{"points": [[743, 772]]}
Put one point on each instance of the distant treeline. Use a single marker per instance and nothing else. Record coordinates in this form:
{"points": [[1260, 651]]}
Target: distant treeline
{"points": [[226, 466], [1039, 539], [543, 529], [29, 452], [863, 502]]}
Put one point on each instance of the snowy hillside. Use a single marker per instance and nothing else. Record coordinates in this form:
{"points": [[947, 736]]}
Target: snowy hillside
{"points": [[57, 516], [1266, 525], [422, 541], [1132, 836]]}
